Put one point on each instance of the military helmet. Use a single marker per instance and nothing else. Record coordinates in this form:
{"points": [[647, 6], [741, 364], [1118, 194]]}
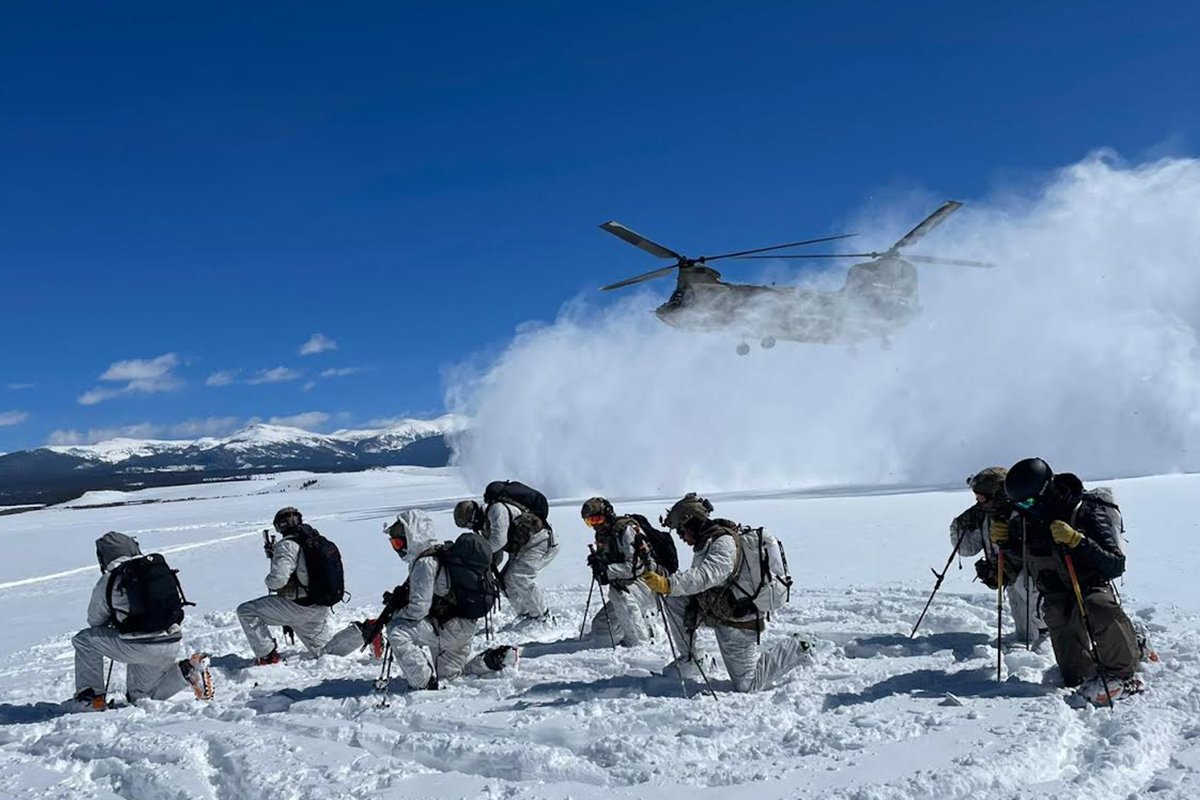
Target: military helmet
{"points": [[988, 482], [286, 517], [467, 513], [691, 507], [1027, 482], [597, 507]]}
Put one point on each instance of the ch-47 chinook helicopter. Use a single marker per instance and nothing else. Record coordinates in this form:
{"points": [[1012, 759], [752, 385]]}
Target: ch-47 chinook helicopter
{"points": [[878, 297]]}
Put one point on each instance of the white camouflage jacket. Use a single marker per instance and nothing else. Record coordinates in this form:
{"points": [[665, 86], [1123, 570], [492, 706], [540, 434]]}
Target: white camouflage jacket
{"points": [[712, 566], [287, 560], [425, 580]]}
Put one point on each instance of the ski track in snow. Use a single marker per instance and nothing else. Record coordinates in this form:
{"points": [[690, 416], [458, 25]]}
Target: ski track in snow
{"points": [[868, 721]]}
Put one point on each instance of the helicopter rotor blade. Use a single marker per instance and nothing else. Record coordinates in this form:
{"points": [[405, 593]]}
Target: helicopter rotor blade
{"points": [[928, 224], [647, 276], [817, 255], [742, 253], [637, 240], [954, 262]]}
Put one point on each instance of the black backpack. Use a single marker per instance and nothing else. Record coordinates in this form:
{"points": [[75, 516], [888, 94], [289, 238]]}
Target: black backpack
{"points": [[468, 564], [661, 544], [516, 492], [326, 579], [155, 597]]}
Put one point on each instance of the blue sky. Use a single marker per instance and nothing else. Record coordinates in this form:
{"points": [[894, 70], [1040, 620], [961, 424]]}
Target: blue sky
{"points": [[190, 196]]}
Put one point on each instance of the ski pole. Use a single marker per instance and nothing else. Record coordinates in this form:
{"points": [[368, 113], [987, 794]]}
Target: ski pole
{"points": [[607, 618], [385, 674], [691, 655], [674, 655], [1025, 571], [941, 576], [108, 679], [999, 611], [1087, 626], [587, 607]]}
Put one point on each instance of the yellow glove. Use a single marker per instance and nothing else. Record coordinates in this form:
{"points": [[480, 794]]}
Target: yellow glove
{"points": [[656, 583], [1064, 534], [999, 531]]}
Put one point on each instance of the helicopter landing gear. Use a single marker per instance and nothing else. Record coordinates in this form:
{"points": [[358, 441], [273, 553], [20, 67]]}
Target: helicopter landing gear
{"points": [[768, 342], [743, 349]]}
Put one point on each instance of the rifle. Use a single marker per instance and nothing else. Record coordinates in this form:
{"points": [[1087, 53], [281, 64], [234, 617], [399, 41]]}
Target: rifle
{"points": [[268, 543], [399, 599]]}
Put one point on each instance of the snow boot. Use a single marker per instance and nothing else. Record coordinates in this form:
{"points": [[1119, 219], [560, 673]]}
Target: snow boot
{"points": [[272, 657], [687, 668], [505, 656], [88, 700], [195, 670], [1095, 692]]}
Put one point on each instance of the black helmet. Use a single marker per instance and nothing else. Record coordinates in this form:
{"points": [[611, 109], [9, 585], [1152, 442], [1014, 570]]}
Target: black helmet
{"points": [[1027, 482], [467, 514], [691, 507], [597, 507], [287, 517]]}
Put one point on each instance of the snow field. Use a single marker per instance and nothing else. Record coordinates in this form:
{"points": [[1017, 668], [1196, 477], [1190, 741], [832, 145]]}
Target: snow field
{"points": [[869, 719]]}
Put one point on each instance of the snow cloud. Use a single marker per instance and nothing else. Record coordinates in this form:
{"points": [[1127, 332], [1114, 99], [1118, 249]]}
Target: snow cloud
{"points": [[274, 375], [12, 418], [307, 420], [1081, 346], [147, 376], [317, 343], [222, 378]]}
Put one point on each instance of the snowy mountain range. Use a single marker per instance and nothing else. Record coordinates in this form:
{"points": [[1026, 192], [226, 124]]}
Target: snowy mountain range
{"points": [[56, 473]]}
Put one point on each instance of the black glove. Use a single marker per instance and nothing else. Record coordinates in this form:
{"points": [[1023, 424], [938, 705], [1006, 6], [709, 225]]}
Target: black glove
{"points": [[397, 597], [269, 549], [599, 571], [986, 572]]}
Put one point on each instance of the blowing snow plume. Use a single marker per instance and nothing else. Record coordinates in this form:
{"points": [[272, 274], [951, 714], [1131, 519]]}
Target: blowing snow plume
{"points": [[1081, 347]]}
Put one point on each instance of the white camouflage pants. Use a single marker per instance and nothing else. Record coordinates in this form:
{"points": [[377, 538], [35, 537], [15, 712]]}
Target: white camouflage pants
{"points": [[152, 671], [414, 642], [625, 615], [344, 642], [1024, 603], [520, 574], [749, 668], [311, 623]]}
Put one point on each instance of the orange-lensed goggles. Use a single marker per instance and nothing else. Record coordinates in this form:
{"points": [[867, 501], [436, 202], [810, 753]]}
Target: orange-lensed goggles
{"points": [[399, 543], [593, 521]]}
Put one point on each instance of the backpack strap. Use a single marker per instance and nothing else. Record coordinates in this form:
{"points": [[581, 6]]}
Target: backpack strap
{"points": [[108, 593]]}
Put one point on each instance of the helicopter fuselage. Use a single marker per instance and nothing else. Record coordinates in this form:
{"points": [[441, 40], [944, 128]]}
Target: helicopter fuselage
{"points": [[878, 297]]}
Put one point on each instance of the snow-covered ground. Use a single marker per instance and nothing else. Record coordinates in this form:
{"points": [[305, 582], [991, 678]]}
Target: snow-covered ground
{"points": [[869, 720]]}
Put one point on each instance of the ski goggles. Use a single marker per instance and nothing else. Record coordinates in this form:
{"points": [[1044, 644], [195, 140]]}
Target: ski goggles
{"points": [[399, 543], [1026, 504], [594, 521]]}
